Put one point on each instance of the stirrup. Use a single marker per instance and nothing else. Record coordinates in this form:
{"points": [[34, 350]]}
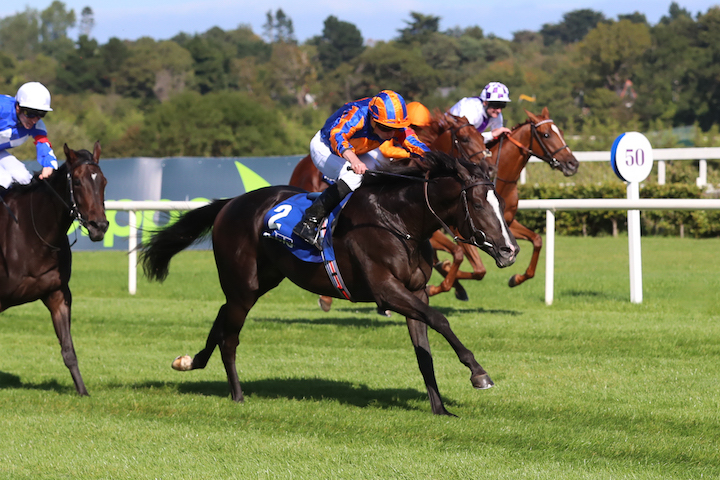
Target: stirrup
{"points": [[309, 231]]}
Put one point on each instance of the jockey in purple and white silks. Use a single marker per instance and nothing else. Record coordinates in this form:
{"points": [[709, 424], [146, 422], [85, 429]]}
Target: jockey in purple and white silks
{"points": [[485, 111], [20, 119]]}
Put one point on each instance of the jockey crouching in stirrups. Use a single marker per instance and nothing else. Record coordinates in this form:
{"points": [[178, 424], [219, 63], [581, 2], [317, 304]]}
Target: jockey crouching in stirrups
{"points": [[339, 150]]}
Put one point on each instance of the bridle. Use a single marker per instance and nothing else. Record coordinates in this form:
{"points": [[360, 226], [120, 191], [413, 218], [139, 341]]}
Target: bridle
{"points": [[547, 156], [72, 209], [468, 218], [456, 145]]}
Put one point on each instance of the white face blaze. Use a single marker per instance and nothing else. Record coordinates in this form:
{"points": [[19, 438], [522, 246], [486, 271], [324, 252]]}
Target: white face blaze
{"points": [[557, 131], [93, 176], [495, 204]]}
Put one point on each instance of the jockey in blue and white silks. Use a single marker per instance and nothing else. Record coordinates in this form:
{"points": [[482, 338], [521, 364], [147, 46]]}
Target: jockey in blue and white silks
{"points": [[20, 119]]}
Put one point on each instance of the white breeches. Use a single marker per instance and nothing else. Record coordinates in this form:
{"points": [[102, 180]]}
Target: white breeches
{"points": [[12, 170], [337, 168]]}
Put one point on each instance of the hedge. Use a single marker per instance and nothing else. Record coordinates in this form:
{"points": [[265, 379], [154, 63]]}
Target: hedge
{"points": [[698, 224]]}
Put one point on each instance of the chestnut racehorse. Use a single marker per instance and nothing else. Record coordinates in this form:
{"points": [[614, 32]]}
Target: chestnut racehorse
{"points": [[539, 137]]}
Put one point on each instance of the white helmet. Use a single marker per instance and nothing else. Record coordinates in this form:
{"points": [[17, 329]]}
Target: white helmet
{"points": [[35, 96], [495, 92]]}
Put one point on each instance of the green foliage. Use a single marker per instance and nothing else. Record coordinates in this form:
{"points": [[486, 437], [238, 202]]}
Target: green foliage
{"points": [[598, 77], [225, 124], [340, 42]]}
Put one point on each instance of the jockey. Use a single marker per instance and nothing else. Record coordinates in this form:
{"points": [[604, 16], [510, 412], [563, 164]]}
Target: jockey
{"points": [[339, 150], [20, 118], [486, 110], [420, 118]]}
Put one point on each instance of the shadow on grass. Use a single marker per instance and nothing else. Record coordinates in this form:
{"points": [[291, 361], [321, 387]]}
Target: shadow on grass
{"points": [[11, 381], [371, 319], [589, 295], [314, 389]]}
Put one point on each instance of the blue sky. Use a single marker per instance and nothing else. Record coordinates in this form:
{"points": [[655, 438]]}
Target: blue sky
{"points": [[377, 20]]}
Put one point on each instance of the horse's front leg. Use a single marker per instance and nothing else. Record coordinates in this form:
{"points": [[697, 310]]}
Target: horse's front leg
{"points": [[440, 241], [421, 344], [521, 232], [396, 297], [59, 302]]}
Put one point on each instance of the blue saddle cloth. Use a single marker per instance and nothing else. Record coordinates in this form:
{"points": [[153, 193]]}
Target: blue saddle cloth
{"points": [[278, 224]]}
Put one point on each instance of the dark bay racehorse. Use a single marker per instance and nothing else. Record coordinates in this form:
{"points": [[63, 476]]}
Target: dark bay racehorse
{"points": [[381, 245], [35, 256], [539, 137], [446, 133]]}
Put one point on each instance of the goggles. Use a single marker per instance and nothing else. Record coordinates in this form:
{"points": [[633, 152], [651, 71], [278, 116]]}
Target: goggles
{"points": [[385, 128], [497, 105], [32, 113]]}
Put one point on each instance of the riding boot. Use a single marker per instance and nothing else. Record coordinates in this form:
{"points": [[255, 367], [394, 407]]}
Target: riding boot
{"points": [[308, 227]]}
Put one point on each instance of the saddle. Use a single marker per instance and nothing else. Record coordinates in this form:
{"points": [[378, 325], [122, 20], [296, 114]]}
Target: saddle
{"points": [[278, 224]]}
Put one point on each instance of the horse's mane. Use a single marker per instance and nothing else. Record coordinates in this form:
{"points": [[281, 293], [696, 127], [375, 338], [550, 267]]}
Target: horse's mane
{"points": [[434, 164], [35, 183]]}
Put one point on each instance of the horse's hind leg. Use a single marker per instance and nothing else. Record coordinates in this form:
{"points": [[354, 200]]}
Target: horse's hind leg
{"points": [[58, 302], [224, 333]]}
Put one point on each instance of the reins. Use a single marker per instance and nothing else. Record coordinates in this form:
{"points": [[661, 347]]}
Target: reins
{"points": [[461, 150], [72, 209], [547, 156]]}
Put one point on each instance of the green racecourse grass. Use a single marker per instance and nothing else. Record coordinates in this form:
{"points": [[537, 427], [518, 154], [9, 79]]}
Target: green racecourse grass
{"points": [[592, 387]]}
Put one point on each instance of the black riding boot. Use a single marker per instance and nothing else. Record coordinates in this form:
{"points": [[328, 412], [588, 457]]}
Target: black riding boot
{"points": [[307, 228]]}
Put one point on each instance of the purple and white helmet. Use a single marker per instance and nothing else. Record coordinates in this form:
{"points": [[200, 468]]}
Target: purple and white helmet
{"points": [[495, 92]]}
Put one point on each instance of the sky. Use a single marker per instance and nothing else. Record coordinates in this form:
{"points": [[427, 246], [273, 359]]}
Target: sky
{"points": [[376, 20]]}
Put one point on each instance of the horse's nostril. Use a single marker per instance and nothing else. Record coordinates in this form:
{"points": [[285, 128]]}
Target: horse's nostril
{"points": [[102, 226]]}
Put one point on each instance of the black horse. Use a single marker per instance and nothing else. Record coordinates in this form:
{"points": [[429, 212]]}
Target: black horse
{"points": [[35, 255], [382, 248]]}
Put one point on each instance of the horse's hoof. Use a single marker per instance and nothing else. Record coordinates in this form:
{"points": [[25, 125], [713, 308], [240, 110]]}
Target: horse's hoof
{"points": [[383, 312], [513, 281], [482, 382], [182, 363], [461, 294], [324, 304]]}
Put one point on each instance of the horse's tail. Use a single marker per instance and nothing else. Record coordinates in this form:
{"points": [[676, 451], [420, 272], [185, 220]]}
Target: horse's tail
{"points": [[190, 228]]}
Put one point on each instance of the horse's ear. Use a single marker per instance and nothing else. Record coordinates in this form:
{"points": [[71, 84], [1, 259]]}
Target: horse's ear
{"points": [[69, 154], [531, 116], [545, 113], [96, 151]]}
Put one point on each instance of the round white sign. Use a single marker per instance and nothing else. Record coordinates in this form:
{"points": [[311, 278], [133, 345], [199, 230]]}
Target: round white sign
{"points": [[632, 157]]}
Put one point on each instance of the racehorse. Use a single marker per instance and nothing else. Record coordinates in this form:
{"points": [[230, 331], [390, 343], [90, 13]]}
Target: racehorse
{"points": [[538, 136], [381, 246], [446, 133], [35, 255]]}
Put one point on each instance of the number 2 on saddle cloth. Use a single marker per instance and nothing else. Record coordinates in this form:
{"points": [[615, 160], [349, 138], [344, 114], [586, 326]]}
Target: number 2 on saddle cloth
{"points": [[278, 225]]}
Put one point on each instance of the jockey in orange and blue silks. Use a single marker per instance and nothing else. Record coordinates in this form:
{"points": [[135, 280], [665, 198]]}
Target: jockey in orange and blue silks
{"points": [[20, 119], [340, 150]]}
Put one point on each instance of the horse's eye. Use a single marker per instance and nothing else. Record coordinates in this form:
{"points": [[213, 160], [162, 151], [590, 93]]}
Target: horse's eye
{"points": [[76, 182], [546, 135], [477, 206]]}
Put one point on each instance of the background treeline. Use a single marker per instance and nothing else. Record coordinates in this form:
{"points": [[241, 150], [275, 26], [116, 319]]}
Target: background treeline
{"points": [[228, 93]]}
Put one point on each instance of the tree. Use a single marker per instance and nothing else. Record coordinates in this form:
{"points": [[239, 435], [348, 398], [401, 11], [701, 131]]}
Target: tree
{"points": [[613, 51], [87, 21], [573, 28], [340, 42], [56, 21], [419, 29], [20, 34], [279, 28]]}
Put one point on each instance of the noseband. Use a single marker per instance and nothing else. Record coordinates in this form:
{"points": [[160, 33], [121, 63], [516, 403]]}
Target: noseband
{"points": [[547, 155]]}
